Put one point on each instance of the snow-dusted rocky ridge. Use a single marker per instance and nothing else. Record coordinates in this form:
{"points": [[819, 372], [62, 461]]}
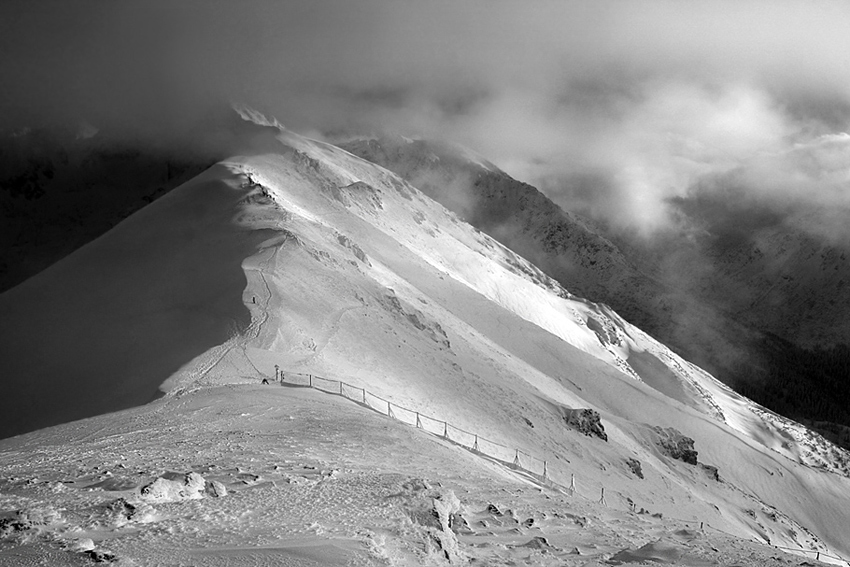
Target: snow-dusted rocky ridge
{"points": [[572, 249], [304, 256], [736, 296]]}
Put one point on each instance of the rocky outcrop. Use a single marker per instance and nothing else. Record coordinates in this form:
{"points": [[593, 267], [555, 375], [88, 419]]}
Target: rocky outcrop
{"points": [[635, 466], [189, 487], [675, 445], [711, 471], [416, 318], [586, 421]]}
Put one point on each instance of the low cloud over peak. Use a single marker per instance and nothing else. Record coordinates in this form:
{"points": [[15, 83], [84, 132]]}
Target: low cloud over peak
{"points": [[613, 108]]}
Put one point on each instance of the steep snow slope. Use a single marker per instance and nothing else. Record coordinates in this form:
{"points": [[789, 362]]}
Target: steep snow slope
{"points": [[348, 272], [101, 329], [726, 293], [571, 249], [623, 341]]}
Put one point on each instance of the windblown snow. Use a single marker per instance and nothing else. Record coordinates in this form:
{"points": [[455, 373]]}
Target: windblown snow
{"points": [[304, 257]]}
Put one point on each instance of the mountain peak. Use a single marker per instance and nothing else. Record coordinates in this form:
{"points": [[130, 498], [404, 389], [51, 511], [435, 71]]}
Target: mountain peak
{"points": [[306, 259]]}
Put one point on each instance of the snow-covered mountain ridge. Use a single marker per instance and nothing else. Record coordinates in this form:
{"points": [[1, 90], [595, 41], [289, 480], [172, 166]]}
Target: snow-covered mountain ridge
{"points": [[755, 301], [618, 335], [570, 248], [317, 261]]}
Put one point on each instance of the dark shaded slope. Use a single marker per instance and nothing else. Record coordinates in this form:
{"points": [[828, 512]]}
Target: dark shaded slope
{"points": [[103, 328], [57, 193]]}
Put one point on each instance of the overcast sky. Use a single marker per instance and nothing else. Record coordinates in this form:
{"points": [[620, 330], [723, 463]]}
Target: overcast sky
{"points": [[616, 108]]}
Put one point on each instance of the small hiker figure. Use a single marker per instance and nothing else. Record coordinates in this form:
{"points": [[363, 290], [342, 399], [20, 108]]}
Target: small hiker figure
{"points": [[265, 381], [254, 299], [278, 376]]}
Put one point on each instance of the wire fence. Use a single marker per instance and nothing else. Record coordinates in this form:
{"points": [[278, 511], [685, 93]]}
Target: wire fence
{"points": [[511, 457]]}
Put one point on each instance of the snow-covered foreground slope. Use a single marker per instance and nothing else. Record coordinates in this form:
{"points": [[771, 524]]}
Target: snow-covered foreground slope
{"points": [[310, 480], [305, 257]]}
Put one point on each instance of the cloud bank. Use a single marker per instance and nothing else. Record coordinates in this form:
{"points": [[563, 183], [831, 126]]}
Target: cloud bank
{"points": [[616, 109]]}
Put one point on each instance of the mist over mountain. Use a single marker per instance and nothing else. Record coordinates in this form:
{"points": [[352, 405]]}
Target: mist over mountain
{"points": [[297, 272], [756, 300], [378, 283], [61, 187], [614, 112]]}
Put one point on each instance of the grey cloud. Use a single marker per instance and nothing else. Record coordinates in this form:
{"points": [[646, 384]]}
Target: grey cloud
{"points": [[645, 98]]}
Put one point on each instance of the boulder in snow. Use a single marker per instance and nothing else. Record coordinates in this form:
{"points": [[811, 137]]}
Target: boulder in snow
{"points": [[190, 487], [676, 445], [635, 466], [586, 421], [712, 472]]}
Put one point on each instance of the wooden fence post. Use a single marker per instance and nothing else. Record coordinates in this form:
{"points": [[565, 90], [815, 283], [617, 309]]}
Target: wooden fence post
{"points": [[418, 421], [310, 376], [445, 430]]}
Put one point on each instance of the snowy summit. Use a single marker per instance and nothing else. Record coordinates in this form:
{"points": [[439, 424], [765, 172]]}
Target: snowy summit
{"points": [[465, 408]]}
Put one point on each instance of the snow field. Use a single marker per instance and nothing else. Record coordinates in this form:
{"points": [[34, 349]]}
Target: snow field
{"points": [[311, 480], [361, 335], [343, 271]]}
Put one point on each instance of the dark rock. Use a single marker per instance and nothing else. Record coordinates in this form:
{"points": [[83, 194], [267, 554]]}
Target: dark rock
{"points": [[101, 556], [586, 421], [9, 526], [122, 508], [635, 467], [712, 472], [675, 445]]}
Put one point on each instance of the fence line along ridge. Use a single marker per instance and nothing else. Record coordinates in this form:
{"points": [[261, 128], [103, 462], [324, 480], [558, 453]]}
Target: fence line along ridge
{"points": [[510, 457]]}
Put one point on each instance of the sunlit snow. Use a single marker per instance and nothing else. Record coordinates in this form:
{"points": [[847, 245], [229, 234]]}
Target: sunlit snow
{"points": [[312, 260]]}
